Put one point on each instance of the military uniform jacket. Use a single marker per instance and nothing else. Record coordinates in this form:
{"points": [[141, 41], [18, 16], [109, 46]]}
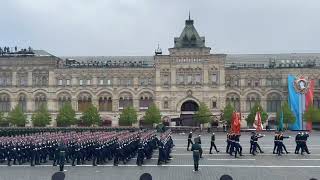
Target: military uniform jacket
{"points": [[196, 148]]}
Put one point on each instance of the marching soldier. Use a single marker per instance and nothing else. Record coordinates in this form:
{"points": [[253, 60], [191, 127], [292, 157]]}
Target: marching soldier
{"points": [[189, 140], [196, 148], [62, 155], [212, 143], [298, 140], [281, 146], [237, 146], [304, 147], [254, 143]]}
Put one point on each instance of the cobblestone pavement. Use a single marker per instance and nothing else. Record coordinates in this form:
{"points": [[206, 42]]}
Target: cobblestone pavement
{"points": [[264, 166]]}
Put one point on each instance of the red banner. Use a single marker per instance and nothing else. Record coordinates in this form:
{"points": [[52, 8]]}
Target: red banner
{"points": [[309, 101], [235, 123]]}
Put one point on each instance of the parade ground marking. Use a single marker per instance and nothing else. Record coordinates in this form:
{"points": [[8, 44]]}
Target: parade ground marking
{"points": [[304, 159], [264, 154], [231, 159], [173, 165]]}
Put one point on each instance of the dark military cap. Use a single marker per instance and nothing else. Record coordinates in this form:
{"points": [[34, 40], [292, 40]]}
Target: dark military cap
{"points": [[146, 176], [58, 176], [226, 177]]}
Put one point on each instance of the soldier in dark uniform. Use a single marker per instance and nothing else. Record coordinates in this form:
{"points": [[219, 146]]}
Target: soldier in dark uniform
{"points": [[189, 140], [276, 141], [298, 140], [254, 143], [238, 147], [281, 145], [140, 156], [62, 155], [304, 147], [228, 143], [212, 143], [196, 148], [232, 143]]}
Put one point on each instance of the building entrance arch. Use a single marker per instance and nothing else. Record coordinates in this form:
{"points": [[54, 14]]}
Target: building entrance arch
{"points": [[188, 109]]}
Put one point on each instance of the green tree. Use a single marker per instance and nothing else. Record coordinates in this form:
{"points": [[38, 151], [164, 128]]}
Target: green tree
{"points": [[91, 116], [227, 113], [152, 115], [41, 117], [128, 116], [66, 116], [253, 111], [288, 117], [203, 115], [312, 114], [3, 120], [17, 117]]}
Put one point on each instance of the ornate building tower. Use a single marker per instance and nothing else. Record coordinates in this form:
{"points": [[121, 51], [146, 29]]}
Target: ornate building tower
{"points": [[187, 76]]}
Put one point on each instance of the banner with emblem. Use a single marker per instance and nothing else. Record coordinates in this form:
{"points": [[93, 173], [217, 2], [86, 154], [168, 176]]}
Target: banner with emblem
{"points": [[300, 97]]}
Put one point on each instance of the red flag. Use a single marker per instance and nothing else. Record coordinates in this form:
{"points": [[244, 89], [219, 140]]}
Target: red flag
{"points": [[258, 122], [235, 124], [309, 101]]}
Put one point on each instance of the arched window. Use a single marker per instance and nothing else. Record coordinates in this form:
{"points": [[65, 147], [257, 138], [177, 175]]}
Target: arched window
{"points": [[125, 100], [273, 102], [63, 98], [40, 100], [252, 99], [105, 102], [84, 101], [22, 102], [5, 103], [146, 99], [234, 100]]}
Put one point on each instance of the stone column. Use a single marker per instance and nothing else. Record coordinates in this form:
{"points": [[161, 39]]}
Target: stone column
{"points": [[95, 81], [173, 77], [135, 82], [115, 104], [205, 76], [95, 102], [136, 104], [14, 103], [51, 78], [74, 103], [14, 78], [30, 104], [29, 78]]}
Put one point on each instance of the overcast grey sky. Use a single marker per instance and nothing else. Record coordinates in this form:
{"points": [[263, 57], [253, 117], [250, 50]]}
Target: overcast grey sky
{"points": [[134, 27]]}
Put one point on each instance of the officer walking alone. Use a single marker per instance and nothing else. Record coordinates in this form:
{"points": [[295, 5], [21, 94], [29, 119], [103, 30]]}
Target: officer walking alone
{"points": [[212, 144], [189, 140], [196, 148]]}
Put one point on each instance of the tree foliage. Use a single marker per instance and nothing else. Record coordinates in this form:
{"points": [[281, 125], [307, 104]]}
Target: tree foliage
{"points": [[41, 117], [227, 113], [66, 116], [3, 120], [253, 111], [128, 116], [91, 116], [312, 114], [203, 115], [288, 117], [152, 115], [16, 117]]}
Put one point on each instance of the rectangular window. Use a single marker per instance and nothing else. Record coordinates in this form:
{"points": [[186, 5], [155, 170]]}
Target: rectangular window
{"points": [[101, 82], [129, 82], [80, 82], [214, 104], [68, 82], [214, 78], [88, 82], [108, 82], [60, 82], [198, 79], [166, 79], [180, 79], [256, 83], [189, 79], [249, 83]]}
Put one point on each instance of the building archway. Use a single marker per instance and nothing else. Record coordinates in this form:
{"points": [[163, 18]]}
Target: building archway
{"points": [[188, 109]]}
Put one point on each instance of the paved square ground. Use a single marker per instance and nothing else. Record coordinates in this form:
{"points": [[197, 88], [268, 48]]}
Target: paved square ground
{"points": [[265, 166]]}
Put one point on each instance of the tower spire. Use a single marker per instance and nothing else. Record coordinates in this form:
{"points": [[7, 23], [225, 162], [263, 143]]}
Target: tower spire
{"points": [[189, 15]]}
